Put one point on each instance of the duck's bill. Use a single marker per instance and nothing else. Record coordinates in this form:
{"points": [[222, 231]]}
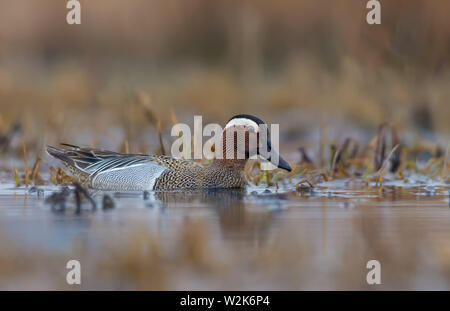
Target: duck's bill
{"points": [[279, 162]]}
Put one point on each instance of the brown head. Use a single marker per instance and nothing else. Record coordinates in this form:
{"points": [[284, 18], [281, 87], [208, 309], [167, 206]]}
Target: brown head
{"points": [[245, 137]]}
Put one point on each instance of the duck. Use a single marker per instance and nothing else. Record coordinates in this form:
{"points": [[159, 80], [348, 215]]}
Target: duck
{"points": [[113, 171]]}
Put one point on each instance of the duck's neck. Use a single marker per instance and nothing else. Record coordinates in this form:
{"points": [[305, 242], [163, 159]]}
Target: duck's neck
{"points": [[226, 171], [228, 155]]}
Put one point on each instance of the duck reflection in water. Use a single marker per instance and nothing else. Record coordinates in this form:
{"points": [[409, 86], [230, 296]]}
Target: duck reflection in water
{"points": [[238, 218]]}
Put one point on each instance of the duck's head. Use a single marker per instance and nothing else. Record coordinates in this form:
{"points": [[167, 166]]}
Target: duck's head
{"points": [[245, 136]]}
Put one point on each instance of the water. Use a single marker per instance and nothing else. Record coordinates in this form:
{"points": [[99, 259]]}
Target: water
{"points": [[254, 238]]}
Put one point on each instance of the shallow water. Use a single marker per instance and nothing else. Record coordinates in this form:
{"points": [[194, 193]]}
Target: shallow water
{"points": [[254, 238]]}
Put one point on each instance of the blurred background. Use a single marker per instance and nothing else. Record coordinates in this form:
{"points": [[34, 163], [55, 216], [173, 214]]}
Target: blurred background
{"points": [[299, 63], [132, 69]]}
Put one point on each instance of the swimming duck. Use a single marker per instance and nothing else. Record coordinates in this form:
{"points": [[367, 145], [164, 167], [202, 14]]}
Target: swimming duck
{"points": [[107, 170]]}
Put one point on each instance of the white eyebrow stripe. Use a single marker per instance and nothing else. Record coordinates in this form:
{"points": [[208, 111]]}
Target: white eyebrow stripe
{"points": [[245, 122]]}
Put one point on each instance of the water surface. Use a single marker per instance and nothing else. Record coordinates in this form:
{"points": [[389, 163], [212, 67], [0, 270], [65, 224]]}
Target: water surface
{"points": [[254, 238]]}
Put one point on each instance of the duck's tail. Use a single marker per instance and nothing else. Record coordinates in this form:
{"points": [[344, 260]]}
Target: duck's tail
{"points": [[62, 154]]}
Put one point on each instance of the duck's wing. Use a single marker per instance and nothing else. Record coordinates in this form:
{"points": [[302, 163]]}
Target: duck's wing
{"points": [[115, 171], [94, 161]]}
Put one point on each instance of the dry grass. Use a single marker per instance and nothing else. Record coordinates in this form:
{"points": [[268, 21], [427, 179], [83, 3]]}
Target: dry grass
{"points": [[317, 62]]}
